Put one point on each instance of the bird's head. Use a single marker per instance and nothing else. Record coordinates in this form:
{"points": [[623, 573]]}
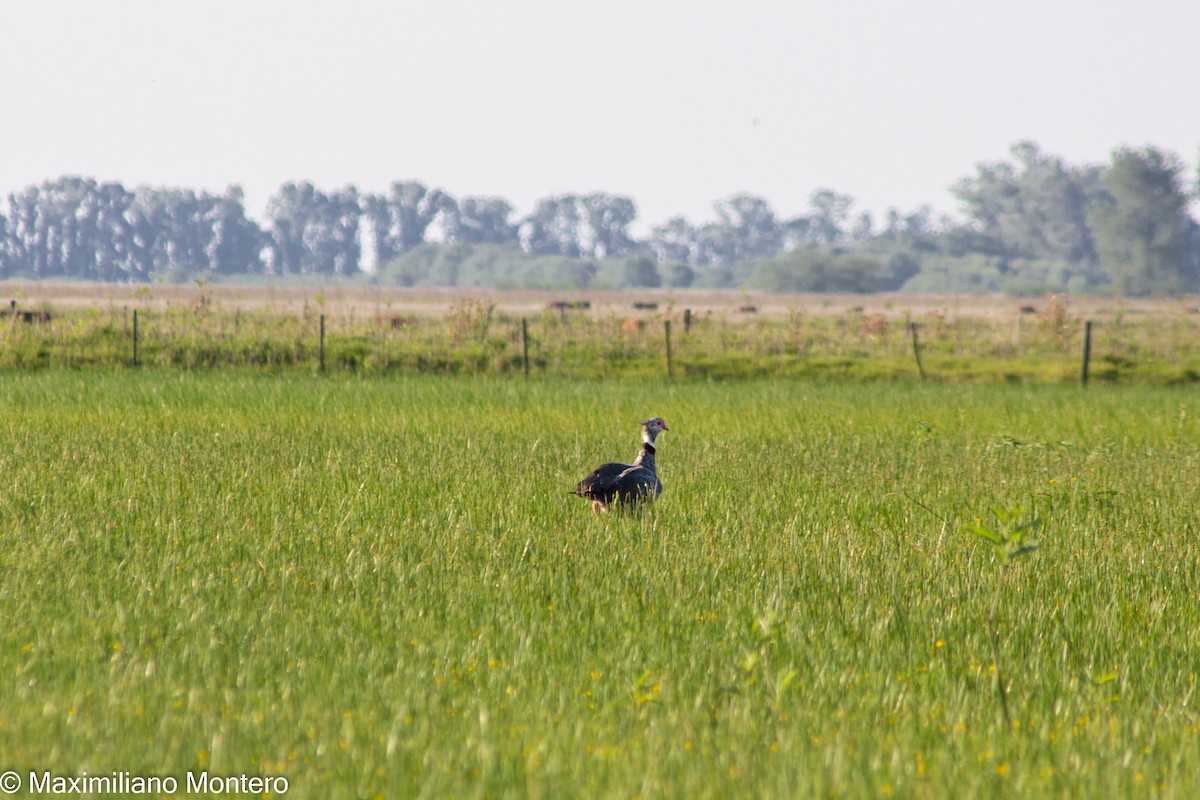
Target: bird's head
{"points": [[652, 427]]}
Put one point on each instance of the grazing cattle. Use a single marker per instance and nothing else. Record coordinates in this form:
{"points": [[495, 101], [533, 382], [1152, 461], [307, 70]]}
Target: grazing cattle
{"points": [[29, 317], [644, 306], [567, 305], [873, 325], [632, 325]]}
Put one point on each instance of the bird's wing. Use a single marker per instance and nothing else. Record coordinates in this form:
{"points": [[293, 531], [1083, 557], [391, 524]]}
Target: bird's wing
{"points": [[602, 483], [637, 481]]}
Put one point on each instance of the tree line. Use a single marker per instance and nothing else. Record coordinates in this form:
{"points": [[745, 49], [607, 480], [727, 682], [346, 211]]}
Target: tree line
{"points": [[1030, 223]]}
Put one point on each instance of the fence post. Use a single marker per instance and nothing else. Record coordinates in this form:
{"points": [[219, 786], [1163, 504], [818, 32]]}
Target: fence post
{"points": [[912, 326], [667, 330], [1087, 353], [687, 320], [322, 343], [525, 345], [135, 338]]}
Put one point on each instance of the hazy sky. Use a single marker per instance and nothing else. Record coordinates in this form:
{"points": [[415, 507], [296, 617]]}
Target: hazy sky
{"points": [[675, 103]]}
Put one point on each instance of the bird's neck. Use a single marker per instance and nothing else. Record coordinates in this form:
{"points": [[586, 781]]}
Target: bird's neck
{"points": [[645, 456]]}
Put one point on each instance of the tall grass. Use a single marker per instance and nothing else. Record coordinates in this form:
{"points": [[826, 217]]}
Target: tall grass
{"points": [[380, 587]]}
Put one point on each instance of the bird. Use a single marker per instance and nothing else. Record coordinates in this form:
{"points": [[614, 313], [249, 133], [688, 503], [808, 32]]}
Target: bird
{"points": [[626, 485]]}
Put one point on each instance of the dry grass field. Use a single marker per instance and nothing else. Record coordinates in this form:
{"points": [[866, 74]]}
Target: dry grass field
{"points": [[671, 332], [362, 301]]}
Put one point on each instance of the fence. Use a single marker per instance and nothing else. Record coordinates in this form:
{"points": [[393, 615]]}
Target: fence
{"points": [[471, 338]]}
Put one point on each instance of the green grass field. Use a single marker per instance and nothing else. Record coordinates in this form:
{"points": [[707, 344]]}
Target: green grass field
{"points": [[379, 587]]}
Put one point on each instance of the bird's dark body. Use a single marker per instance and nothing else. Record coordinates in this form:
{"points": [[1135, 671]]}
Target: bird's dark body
{"points": [[626, 485]]}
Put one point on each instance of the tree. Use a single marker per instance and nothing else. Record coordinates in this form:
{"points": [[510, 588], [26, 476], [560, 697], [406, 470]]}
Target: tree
{"points": [[896, 271], [173, 231], [590, 226], [236, 241], [1142, 226], [400, 219], [314, 232], [640, 272], [572, 273], [113, 253], [749, 228], [556, 271], [71, 227], [674, 240], [6, 260], [1034, 209], [830, 212], [608, 218], [864, 228], [795, 234], [912, 229], [714, 245], [331, 238], [484, 220], [801, 271], [677, 275], [854, 272], [745, 229], [552, 228], [819, 271]]}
